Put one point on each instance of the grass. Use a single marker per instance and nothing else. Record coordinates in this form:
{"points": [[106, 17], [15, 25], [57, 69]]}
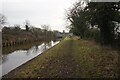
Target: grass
{"points": [[71, 58]]}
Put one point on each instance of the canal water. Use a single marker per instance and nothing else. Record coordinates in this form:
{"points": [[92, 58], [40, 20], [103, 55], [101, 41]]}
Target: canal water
{"points": [[11, 59]]}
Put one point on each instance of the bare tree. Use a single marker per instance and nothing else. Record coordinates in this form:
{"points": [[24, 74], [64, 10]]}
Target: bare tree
{"points": [[2, 20], [46, 27], [27, 25]]}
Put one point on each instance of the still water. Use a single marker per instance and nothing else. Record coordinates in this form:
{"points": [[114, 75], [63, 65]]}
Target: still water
{"points": [[14, 58]]}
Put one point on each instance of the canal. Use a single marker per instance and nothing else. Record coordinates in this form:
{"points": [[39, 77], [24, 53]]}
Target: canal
{"points": [[15, 56]]}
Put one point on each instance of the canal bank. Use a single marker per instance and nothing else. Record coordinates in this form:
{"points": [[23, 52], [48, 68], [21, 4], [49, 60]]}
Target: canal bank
{"points": [[19, 55], [71, 58]]}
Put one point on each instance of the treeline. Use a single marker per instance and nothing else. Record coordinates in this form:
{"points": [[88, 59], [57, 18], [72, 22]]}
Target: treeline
{"points": [[96, 20], [16, 35]]}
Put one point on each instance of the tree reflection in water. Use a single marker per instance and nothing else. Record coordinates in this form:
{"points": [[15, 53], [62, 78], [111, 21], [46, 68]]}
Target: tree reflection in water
{"points": [[3, 59], [20, 55]]}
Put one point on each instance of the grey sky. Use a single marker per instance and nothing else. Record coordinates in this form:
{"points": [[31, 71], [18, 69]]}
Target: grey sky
{"points": [[104, 0], [38, 12]]}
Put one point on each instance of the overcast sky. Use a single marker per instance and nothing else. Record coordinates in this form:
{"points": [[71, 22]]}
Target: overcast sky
{"points": [[38, 12]]}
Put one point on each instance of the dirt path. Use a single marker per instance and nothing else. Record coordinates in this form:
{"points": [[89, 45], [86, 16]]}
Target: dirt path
{"points": [[71, 58], [61, 64]]}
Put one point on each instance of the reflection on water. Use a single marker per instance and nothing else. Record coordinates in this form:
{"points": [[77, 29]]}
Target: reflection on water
{"points": [[8, 50], [16, 56]]}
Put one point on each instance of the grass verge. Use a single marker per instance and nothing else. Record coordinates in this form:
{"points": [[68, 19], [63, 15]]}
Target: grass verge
{"points": [[71, 58]]}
